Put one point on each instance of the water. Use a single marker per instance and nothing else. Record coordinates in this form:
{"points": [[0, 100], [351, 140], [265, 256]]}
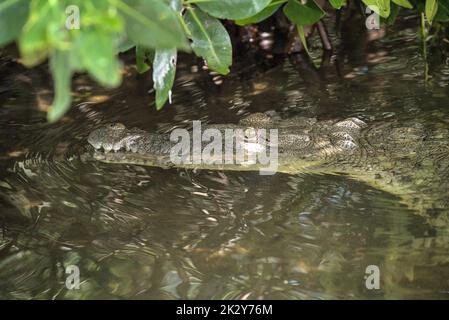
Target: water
{"points": [[149, 233]]}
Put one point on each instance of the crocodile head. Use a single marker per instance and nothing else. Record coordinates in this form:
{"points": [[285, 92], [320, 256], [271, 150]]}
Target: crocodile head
{"points": [[300, 143]]}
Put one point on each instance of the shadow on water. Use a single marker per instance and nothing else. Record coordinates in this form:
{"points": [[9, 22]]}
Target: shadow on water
{"points": [[137, 232]]}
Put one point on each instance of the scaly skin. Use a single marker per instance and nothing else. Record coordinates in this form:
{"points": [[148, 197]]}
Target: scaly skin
{"points": [[405, 159]]}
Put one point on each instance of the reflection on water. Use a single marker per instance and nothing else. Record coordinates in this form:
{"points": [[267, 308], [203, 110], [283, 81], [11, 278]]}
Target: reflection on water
{"points": [[148, 233]]}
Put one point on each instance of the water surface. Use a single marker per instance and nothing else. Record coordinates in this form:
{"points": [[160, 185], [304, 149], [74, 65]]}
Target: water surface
{"points": [[149, 233]]}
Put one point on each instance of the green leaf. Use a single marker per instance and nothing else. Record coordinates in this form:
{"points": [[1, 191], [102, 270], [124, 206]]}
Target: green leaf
{"points": [[97, 54], [62, 75], [164, 67], [337, 4], [431, 10], [152, 24], [142, 56], [233, 9], [176, 5], [441, 15], [124, 45], [262, 15], [443, 5], [41, 32], [210, 40], [13, 15], [394, 11], [303, 14], [302, 37], [403, 3], [381, 7]]}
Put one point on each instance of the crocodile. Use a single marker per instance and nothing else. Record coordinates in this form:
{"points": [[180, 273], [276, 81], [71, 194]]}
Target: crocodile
{"points": [[406, 158]]}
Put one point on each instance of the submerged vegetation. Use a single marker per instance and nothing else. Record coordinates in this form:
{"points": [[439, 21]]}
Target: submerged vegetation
{"points": [[87, 36]]}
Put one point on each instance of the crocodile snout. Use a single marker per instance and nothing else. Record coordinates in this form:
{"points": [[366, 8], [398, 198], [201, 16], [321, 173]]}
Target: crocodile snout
{"points": [[94, 139]]}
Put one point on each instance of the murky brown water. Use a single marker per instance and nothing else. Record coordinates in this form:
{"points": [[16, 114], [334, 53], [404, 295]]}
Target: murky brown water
{"points": [[137, 232]]}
